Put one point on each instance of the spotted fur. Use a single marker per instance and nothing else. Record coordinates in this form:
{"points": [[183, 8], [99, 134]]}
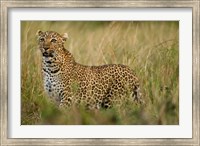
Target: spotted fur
{"points": [[68, 82]]}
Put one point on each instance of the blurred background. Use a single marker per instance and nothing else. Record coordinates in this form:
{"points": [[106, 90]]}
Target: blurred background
{"points": [[149, 48]]}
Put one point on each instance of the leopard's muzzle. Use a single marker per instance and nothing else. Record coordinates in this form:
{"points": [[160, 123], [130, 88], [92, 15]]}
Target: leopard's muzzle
{"points": [[48, 53]]}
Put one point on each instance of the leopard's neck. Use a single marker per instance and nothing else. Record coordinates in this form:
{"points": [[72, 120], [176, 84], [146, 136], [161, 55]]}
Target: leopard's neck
{"points": [[63, 61]]}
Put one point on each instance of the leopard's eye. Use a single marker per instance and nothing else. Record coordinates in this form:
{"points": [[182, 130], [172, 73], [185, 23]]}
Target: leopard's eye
{"points": [[41, 39], [53, 40]]}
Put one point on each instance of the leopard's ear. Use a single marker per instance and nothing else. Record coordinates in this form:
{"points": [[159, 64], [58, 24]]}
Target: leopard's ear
{"points": [[65, 37], [39, 33]]}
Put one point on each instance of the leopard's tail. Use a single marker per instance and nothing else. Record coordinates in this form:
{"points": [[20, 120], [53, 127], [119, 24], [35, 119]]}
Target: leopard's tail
{"points": [[137, 95]]}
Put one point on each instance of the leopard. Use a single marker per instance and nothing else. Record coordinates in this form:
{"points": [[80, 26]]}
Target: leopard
{"points": [[68, 82]]}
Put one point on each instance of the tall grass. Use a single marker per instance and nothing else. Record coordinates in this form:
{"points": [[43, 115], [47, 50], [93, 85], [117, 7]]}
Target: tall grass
{"points": [[149, 48]]}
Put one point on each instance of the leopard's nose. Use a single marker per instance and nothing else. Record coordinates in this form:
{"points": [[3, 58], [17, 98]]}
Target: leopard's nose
{"points": [[46, 47]]}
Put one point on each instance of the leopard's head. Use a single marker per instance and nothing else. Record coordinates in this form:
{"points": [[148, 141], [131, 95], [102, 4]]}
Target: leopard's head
{"points": [[51, 43]]}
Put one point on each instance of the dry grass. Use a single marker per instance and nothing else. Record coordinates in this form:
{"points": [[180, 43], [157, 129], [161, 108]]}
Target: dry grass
{"points": [[149, 48]]}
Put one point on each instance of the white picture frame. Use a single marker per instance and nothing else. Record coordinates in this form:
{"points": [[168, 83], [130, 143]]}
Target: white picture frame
{"points": [[5, 140]]}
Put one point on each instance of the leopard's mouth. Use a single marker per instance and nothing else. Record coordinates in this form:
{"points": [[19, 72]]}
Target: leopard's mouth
{"points": [[46, 54]]}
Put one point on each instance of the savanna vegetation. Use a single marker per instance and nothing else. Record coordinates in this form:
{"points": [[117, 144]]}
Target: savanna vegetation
{"points": [[149, 48]]}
